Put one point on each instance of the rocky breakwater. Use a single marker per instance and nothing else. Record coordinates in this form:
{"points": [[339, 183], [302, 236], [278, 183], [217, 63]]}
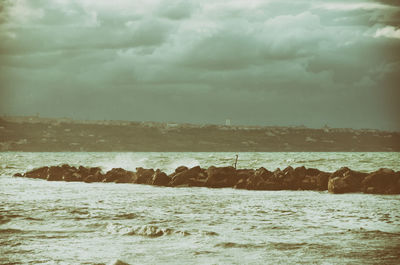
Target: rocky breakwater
{"points": [[344, 180]]}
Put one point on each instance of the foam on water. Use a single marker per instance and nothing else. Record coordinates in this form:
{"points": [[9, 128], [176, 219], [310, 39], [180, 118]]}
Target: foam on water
{"points": [[173, 164], [147, 230], [128, 161]]}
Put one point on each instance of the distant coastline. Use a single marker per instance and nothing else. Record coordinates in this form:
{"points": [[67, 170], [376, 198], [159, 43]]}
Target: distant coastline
{"points": [[37, 134]]}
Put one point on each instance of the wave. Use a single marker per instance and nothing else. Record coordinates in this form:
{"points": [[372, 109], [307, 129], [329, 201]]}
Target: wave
{"points": [[283, 246], [188, 162], [287, 246], [209, 233], [54, 236], [33, 219], [8, 217], [10, 243], [11, 231], [370, 234], [125, 216], [313, 160], [239, 245], [365, 234], [123, 160], [203, 252], [81, 211], [144, 230], [4, 220]]}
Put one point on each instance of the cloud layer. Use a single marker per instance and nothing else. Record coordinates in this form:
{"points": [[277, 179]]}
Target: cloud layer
{"points": [[255, 62]]}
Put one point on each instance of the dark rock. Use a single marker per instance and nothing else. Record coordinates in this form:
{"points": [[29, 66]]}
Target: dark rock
{"points": [[55, 178], [277, 174], [56, 173], [271, 185], [263, 179], [345, 180], [241, 184], [255, 182], [183, 186], [98, 173], [181, 169], [85, 171], [245, 173], [159, 178], [300, 171], [179, 179], [195, 170], [312, 172], [197, 182], [94, 170], [40, 173], [288, 169], [316, 182], [91, 178], [289, 179], [119, 175], [72, 177], [64, 172], [265, 174], [242, 176], [309, 183], [144, 176], [255, 179], [382, 181], [322, 180], [220, 177], [191, 177]]}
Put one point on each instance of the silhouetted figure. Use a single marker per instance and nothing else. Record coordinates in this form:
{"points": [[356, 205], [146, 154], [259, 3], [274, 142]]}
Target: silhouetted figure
{"points": [[237, 156]]}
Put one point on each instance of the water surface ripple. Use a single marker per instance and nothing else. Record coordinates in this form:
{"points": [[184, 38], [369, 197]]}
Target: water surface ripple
{"points": [[79, 223]]}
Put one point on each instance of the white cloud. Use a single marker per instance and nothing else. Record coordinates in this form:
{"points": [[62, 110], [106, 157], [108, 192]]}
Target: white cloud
{"points": [[351, 6], [388, 32], [21, 12]]}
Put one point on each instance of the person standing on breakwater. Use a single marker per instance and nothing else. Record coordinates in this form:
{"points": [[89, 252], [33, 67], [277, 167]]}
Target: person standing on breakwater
{"points": [[236, 159]]}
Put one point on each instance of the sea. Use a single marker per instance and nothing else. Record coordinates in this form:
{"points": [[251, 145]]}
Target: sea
{"points": [[104, 223]]}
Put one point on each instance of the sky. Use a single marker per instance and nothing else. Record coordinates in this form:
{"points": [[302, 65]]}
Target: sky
{"points": [[268, 63]]}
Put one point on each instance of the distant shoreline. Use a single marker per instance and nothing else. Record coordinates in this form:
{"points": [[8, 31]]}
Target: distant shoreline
{"points": [[36, 134]]}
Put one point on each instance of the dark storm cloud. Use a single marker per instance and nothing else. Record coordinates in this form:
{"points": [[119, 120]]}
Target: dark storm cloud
{"points": [[357, 60], [256, 62], [390, 2], [48, 39]]}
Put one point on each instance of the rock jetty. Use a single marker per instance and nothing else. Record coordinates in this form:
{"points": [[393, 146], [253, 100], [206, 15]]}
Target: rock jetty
{"points": [[344, 180]]}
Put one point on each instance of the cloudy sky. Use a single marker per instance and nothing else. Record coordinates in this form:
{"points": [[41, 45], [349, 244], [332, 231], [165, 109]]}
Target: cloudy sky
{"points": [[273, 62]]}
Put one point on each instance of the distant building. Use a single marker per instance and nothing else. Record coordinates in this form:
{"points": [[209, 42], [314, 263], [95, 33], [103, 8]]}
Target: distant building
{"points": [[326, 128], [228, 122], [172, 125]]}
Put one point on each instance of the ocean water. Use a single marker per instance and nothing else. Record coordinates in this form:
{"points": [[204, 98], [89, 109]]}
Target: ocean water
{"points": [[98, 223]]}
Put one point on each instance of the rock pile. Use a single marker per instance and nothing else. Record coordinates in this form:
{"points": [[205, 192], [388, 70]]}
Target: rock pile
{"points": [[344, 180]]}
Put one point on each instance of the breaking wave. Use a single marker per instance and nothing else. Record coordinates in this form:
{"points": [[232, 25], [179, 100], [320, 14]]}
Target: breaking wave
{"points": [[144, 230]]}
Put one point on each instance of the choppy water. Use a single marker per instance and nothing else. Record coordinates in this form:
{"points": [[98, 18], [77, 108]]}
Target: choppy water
{"points": [[79, 223]]}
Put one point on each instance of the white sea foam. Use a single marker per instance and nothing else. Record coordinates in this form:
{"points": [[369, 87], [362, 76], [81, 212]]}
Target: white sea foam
{"points": [[188, 162], [128, 161]]}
